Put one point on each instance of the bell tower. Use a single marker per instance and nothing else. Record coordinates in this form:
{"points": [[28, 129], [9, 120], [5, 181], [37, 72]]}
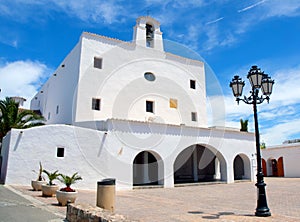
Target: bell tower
{"points": [[147, 33]]}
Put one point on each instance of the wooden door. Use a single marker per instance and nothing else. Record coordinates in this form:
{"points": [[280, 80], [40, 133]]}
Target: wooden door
{"points": [[280, 167], [274, 168], [264, 167]]}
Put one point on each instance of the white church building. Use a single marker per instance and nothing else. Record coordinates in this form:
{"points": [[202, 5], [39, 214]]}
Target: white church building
{"points": [[130, 111]]}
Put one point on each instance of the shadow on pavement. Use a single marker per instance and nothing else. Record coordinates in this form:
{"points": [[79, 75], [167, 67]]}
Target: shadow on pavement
{"points": [[211, 216]]}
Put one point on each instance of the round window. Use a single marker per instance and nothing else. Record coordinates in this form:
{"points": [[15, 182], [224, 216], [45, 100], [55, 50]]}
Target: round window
{"points": [[149, 76]]}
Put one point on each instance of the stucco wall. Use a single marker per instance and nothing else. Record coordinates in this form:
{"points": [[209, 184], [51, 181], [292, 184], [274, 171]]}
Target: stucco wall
{"points": [[123, 90], [57, 97], [66, 98], [4, 157], [99, 154], [291, 157], [26, 149]]}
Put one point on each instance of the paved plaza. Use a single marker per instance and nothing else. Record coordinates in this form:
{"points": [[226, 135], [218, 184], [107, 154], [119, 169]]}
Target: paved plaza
{"points": [[215, 202]]}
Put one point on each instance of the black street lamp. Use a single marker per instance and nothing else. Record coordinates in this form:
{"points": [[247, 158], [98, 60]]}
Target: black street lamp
{"points": [[258, 80]]}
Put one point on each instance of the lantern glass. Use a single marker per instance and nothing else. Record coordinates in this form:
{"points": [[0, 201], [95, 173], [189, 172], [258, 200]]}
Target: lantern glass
{"points": [[237, 86], [267, 86], [255, 77]]}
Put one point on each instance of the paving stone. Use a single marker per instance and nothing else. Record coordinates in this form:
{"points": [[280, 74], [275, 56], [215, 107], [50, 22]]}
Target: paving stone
{"points": [[217, 202]]}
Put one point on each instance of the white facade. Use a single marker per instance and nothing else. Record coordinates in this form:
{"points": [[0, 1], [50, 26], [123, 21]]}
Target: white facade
{"points": [[111, 153], [134, 113], [282, 160], [120, 84]]}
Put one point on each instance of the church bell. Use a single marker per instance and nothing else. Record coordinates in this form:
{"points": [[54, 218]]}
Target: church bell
{"points": [[149, 32]]}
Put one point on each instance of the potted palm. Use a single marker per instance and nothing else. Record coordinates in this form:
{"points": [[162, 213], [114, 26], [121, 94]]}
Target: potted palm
{"points": [[49, 189], [37, 184], [67, 194]]}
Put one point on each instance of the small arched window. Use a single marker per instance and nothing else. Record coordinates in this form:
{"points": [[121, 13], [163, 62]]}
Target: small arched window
{"points": [[149, 76]]}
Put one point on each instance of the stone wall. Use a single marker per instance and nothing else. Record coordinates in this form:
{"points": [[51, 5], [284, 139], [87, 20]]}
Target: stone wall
{"points": [[88, 213]]}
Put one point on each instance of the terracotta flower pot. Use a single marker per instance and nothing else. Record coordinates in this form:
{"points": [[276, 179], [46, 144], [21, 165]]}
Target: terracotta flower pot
{"points": [[37, 185], [49, 190], [63, 197]]}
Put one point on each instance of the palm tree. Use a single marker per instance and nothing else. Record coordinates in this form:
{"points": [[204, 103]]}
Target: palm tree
{"points": [[51, 176], [68, 181], [244, 125], [13, 117]]}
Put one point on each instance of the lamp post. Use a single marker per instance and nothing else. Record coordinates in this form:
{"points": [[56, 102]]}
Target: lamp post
{"points": [[258, 80]]}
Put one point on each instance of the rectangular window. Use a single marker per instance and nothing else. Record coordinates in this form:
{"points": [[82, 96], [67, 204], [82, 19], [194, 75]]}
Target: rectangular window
{"points": [[173, 103], [98, 63], [96, 104], [194, 116], [150, 106], [192, 84], [60, 152]]}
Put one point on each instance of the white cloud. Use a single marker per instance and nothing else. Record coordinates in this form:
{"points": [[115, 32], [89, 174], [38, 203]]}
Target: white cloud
{"points": [[249, 17], [4, 9], [269, 114], [251, 6], [289, 8], [191, 36], [278, 120], [176, 3], [8, 41], [265, 10], [21, 78], [167, 12], [215, 37], [286, 89], [224, 111], [277, 134], [95, 11], [212, 34], [214, 21], [228, 40], [91, 10]]}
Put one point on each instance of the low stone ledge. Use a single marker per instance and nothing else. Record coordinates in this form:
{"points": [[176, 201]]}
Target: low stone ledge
{"points": [[89, 213]]}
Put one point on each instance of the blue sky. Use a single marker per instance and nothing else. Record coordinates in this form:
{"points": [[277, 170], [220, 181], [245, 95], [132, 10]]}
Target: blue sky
{"points": [[230, 35]]}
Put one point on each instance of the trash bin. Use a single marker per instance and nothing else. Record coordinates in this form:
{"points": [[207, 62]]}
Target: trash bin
{"points": [[106, 191]]}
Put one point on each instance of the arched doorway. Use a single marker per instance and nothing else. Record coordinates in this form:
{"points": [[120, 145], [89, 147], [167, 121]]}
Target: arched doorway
{"points": [[147, 169], [238, 166], [269, 166], [280, 167], [241, 167], [274, 168], [198, 163]]}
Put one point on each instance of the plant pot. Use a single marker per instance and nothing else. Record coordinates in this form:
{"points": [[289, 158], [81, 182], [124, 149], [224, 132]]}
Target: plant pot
{"points": [[63, 197], [49, 190], [37, 185]]}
